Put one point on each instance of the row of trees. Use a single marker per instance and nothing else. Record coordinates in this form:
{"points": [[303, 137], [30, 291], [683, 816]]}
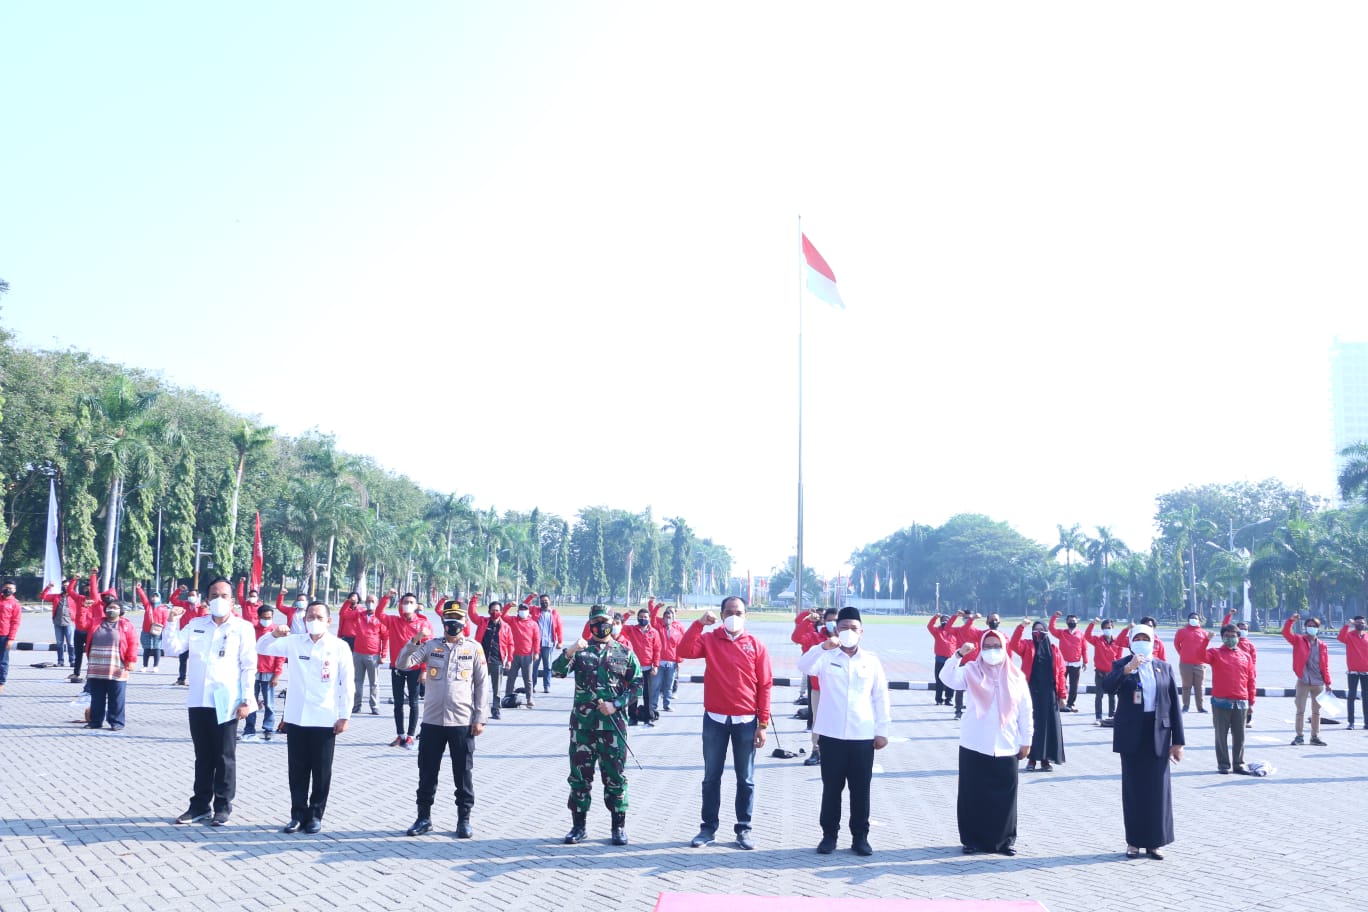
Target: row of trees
{"points": [[1295, 552], [149, 474]]}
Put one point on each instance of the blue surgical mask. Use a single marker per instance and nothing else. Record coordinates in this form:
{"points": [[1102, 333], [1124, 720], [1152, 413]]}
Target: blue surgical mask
{"points": [[1141, 648], [830, 627]]}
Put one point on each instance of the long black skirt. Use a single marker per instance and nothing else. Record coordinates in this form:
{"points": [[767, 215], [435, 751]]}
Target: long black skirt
{"points": [[987, 806], [1146, 799], [1048, 741]]}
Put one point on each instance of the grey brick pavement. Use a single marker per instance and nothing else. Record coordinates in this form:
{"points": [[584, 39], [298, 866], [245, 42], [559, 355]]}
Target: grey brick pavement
{"points": [[84, 820]]}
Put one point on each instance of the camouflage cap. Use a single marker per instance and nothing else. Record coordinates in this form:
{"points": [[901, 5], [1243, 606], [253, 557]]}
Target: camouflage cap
{"points": [[597, 612]]}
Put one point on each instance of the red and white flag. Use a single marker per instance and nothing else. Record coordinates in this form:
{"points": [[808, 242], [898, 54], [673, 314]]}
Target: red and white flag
{"points": [[258, 557], [821, 281]]}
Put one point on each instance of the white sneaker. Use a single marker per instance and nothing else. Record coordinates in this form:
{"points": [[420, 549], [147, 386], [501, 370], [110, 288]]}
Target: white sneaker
{"points": [[251, 737]]}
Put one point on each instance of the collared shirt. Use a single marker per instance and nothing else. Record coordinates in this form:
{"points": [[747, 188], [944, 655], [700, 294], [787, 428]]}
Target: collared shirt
{"points": [[223, 659], [1148, 686], [457, 680], [854, 704], [989, 735], [321, 683]]}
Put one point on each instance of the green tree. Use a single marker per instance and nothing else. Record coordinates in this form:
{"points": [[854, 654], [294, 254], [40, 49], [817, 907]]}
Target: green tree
{"points": [[178, 534], [681, 551], [249, 443], [1353, 478], [598, 577]]}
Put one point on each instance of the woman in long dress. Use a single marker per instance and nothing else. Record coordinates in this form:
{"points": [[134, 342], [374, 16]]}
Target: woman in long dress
{"points": [[1148, 734], [994, 734], [1043, 667]]}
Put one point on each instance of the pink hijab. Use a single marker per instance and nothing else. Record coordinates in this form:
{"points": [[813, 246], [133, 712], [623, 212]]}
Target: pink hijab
{"points": [[1005, 682]]}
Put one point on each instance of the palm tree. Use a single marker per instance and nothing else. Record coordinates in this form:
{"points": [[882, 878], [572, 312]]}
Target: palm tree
{"points": [[1353, 478], [1102, 550], [249, 442], [1183, 529], [1071, 542], [315, 510]]}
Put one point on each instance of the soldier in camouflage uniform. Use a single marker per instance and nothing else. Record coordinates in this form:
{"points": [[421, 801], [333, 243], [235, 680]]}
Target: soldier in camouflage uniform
{"points": [[607, 675]]}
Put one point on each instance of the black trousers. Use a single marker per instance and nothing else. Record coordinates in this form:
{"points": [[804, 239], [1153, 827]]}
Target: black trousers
{"points": [[1098, 675], [494, 669], [436, 740], [942, 692], [107, 702], [639, 706], [405, 682], [184, 661], [1072, 673], [846, 764], [1358, 681], [310, 758], [79, 654], [215, 760]]}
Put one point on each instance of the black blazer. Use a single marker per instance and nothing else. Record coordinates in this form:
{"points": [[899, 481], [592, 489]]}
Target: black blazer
{"points": [[1128, 731]]}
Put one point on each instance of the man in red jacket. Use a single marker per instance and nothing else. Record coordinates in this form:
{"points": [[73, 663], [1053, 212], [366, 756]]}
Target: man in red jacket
{"points": [[496, 639], [810, 630], [1311, 662], [267, 677], [671, 632], [526, 645], [644, 642], [404, 683], [1123, 639], [1191, 642], [1074, 649], [1354, 636], [1232, 696], [1250, 649], [368, 630], [155, 617], [945, 642], [11, 613], [966, 632], [736, 703], [1105, 653], [86, 616]]}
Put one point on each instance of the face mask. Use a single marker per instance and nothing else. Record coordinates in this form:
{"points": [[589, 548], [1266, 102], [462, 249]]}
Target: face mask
{"points": [[601, 631], [1360, 627], [522, 612], [848, 638], [1194, 622], [316, 628], [453, 628], [1038, 634], [993, 625], [733, 623], [993, 656], [220, 607], [830, 627], [1243, 633], [1142, 648], [1312, 631], [1071, 624], [643, 623], [264, 622], [369, 608], [1107, 634], [1231, 641], [406, 610], [617, 629], [111, 614], [302, 603]]}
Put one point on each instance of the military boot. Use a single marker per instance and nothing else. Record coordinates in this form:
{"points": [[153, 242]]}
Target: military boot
{"points": [[577, 831], [619, 828]]}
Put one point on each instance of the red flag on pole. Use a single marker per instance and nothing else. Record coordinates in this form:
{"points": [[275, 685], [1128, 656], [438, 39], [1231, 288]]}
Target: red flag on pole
{"points": [[258, 557]]}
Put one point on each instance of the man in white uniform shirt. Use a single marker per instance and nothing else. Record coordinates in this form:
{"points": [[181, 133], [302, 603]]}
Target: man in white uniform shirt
{"points": [[221, 668], [852, 723], [321, 691]]}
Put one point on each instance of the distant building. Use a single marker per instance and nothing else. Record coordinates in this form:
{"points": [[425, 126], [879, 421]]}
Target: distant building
{"points": [[1348, 398]]}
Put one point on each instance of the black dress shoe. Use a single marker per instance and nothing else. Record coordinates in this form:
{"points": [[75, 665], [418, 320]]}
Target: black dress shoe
{"points": [[1009, 851], [463, 830], [1155, 853], [313, 826], [969, 850], [293, 826], [420, 826], [827, 845], [860, 846]]}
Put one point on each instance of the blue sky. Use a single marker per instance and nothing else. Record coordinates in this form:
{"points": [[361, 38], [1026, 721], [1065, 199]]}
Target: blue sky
{"points": [[546, 253]]}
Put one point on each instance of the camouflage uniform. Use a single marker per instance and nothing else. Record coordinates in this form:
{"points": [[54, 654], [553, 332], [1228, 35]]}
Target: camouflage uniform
{"points": [[607, 671]]}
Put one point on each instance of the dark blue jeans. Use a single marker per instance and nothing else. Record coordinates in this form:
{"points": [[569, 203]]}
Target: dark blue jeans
{"points": [[716, 737], [542, 666], [4, 660], [107, 702]]}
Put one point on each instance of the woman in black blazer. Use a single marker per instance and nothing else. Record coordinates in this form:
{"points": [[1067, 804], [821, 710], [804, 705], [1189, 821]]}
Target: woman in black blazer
{"points": [[1148, 733]]}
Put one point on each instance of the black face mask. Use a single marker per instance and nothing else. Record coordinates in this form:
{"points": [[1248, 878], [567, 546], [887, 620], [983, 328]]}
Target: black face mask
{"points": [[1071, 624], [601, 630], [1038, 634], [453, 628], [643, 622], [993, 625]]}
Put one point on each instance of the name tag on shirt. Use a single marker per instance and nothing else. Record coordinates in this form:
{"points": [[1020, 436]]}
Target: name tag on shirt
{"points": [[1138, 698]]}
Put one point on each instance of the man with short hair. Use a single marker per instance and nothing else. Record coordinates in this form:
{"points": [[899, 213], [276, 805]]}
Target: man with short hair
{"points": [[944, 643], [1232, 697], [1191, 642], [317, 711], [549, 634], [1354, 636], [736, 703], [644, 642], [453, 714], [222, 663], [671, 632], [268, 672], [192, 607], [404, 683], [88, 614], [63, 620], [1311, 664], [11, 613], [368, 630], [526, 646], [496, 639], [1105, 654], [1074, 650], [852, 721]]}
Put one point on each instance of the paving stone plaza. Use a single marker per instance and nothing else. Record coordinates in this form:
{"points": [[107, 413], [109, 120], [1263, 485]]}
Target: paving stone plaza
{"points": [[85, 816]]}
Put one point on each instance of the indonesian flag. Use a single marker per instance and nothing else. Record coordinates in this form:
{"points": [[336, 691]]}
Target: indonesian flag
{"points": [[876, 582], [821, 281], [258, 557]]}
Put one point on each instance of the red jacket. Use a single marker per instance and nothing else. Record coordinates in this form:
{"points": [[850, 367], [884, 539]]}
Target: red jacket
{"points": [[191, 611], [152, 614], [128, 642], [246, 607], [1104, 653], [1072, 646], [369, 631], [1192, 644], [738, 679], [526, 635], [1245, 642], [11, 613], [1123, 640], [1301, 651], [644, 641], [670, 635], [943, 635], [505, 637], [55, 599], [400, 630], [1232, 674], [87, 611], [272, 665], [1355, 649], [1025, 647], [807, 636], [556, 630]]}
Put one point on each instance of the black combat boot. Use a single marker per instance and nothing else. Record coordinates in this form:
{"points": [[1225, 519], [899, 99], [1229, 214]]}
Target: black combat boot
{"points": [[463, 830], [619, 828], [577, 831]]}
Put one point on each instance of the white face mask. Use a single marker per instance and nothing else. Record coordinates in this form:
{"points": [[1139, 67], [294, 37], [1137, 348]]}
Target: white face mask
{"points": [[522, 612], [1313, 631], [406, 610], [302, 603], [617, 629], [1194, 622], [993, 656], [264, 622], [316, 627], [734, 623], [220, 607], [848, 638], [1142, 648]]}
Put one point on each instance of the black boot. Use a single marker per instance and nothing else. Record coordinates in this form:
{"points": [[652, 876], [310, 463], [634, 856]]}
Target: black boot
{"points": [[619, 828], [577, 831], [463, 830], [422, 825]]}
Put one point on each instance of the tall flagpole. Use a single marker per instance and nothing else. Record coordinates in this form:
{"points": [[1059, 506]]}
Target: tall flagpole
{"points": [[798, 575]]}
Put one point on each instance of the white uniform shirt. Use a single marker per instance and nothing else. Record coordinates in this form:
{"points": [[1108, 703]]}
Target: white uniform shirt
{"points": [[223, 660], [854, 704], [321, 684], [989, 735]]}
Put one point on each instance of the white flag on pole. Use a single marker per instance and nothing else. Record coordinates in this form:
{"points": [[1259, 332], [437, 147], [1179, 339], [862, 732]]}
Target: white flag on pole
{"points": [[52, 561]]}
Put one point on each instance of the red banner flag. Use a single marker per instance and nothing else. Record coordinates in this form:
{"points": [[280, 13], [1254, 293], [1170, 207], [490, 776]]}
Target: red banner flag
{"points": [[258, 557]]}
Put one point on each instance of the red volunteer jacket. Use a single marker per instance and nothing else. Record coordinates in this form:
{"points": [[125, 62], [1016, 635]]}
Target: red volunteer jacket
{"points": [[807, 636], [1301, 651], [1245, 642], [400, 630], [644, 641], [1104, 653], [1192, 644], [1232, 674], [1025, 647], [87, 611], [1355, 649], [1072, 646], [526, 634], [11, 613], [738, 679], [152, 614]]}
